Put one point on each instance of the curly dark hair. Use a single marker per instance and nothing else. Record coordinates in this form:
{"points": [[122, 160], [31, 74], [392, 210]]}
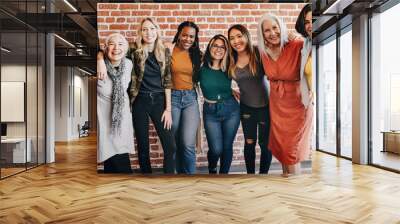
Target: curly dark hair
{"points": [[194, 50]]}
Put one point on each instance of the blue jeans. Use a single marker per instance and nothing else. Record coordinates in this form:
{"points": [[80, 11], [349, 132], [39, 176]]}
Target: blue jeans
{"points": [[185, 121], [221, 122]]}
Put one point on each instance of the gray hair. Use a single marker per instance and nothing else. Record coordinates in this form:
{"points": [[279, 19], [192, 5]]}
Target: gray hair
{"points": [[282, 26], [113, 36]]}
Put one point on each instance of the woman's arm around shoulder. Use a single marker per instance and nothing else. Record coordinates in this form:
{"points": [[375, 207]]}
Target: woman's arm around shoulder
{"points": [[167, 71]]}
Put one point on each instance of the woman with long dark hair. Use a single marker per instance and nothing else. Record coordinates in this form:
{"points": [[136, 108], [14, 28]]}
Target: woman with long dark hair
{"points": [[185, 63], [247, 70]]}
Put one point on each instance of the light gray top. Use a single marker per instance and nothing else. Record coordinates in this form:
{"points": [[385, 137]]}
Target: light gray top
{"points": [[107, 144]]}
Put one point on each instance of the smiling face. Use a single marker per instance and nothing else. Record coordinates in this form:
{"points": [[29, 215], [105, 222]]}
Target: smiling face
{"points": [[116, 47], [149, 32], [271, 32], [186, 37], [308, 23], [217, 49], [238, 40]]}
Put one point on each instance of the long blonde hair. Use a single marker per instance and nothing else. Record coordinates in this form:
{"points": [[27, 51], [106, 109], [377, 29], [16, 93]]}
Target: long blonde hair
{"points": [[159, 48]]}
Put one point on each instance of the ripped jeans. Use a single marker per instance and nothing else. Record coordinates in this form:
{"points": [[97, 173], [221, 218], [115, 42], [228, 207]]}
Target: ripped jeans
{"points": [[252, 119]]}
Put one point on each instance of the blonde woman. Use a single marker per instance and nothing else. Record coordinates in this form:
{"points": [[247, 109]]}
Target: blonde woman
{"points": [[290, 118], [115, 132], [150, 94]]}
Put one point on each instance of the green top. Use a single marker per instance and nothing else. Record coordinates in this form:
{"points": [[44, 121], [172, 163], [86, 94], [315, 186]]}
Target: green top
{"points": [[215, 84]]}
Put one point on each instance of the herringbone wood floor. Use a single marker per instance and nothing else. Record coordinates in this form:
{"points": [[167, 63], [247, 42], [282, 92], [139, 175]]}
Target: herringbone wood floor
{"points": [[71, 191]]}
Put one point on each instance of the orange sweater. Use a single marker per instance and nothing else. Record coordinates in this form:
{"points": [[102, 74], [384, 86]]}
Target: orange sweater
{"points": [[182, 70]]}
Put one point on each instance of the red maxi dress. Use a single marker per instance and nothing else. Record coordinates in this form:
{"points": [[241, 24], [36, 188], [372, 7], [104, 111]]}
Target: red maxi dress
{"points": [[289, 139]]}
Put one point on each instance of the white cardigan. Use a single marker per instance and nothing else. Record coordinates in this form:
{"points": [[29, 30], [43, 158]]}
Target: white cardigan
{"points": [[305, 52]]}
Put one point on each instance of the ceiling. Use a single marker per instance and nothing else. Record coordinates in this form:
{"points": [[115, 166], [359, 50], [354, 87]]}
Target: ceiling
{"points": [[332, 15], [72, 20], [21, 21], [78, 24]]}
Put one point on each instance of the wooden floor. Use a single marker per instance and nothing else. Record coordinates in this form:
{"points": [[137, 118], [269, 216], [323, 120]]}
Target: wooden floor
{"points": [[71, 191], [387, 159], [5, 172]]}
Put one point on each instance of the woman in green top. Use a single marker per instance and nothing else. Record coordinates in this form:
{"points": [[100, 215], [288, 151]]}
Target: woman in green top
{"points": [[221, 112]]}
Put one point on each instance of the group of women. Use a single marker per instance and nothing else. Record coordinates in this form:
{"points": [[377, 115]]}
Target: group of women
{"points": [[272, 100]]}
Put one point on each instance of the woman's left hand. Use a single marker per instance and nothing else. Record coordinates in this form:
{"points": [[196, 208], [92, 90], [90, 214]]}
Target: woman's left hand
{"points": [[294, 36], [167, 119], [311, 95], [236, 94]]}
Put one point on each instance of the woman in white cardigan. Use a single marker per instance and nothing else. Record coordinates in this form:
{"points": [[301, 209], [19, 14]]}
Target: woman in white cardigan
{"points": [[304, 27], [115, 130]]}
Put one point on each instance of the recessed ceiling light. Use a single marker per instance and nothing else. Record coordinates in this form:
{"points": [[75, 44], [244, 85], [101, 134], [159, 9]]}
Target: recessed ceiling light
{"points": [[84, 71], [64, 40], [70, 5], [5, 50], [337, 7]]}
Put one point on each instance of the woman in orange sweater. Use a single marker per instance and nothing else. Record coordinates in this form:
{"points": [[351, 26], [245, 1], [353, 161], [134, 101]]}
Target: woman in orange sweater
{"points": [[185, 63]]}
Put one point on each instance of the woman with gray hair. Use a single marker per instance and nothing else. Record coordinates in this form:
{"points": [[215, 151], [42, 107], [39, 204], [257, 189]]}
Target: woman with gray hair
{"points": [[290, 118], [115, 131]]}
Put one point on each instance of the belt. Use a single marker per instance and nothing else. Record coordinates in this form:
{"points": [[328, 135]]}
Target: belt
{"points": [[151, 94], [210, 101], [220, 100]]}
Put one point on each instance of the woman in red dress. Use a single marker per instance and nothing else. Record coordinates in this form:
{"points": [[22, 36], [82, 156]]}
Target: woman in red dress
{"points": [[290, 119]]}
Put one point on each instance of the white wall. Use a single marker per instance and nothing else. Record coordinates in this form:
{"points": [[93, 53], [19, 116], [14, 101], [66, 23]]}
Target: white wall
{"points": [[80, 110], [61, 103], [33, 126], [71, 102], [14, 73]]}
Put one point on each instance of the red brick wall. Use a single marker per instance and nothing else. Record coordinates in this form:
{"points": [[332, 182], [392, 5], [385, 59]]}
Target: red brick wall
{"points": [[212, 18]]}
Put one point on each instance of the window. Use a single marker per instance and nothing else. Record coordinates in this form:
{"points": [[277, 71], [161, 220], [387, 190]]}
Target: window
{"points": [[385, 89], [327, 96], [346, 93], [22, 74]]}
